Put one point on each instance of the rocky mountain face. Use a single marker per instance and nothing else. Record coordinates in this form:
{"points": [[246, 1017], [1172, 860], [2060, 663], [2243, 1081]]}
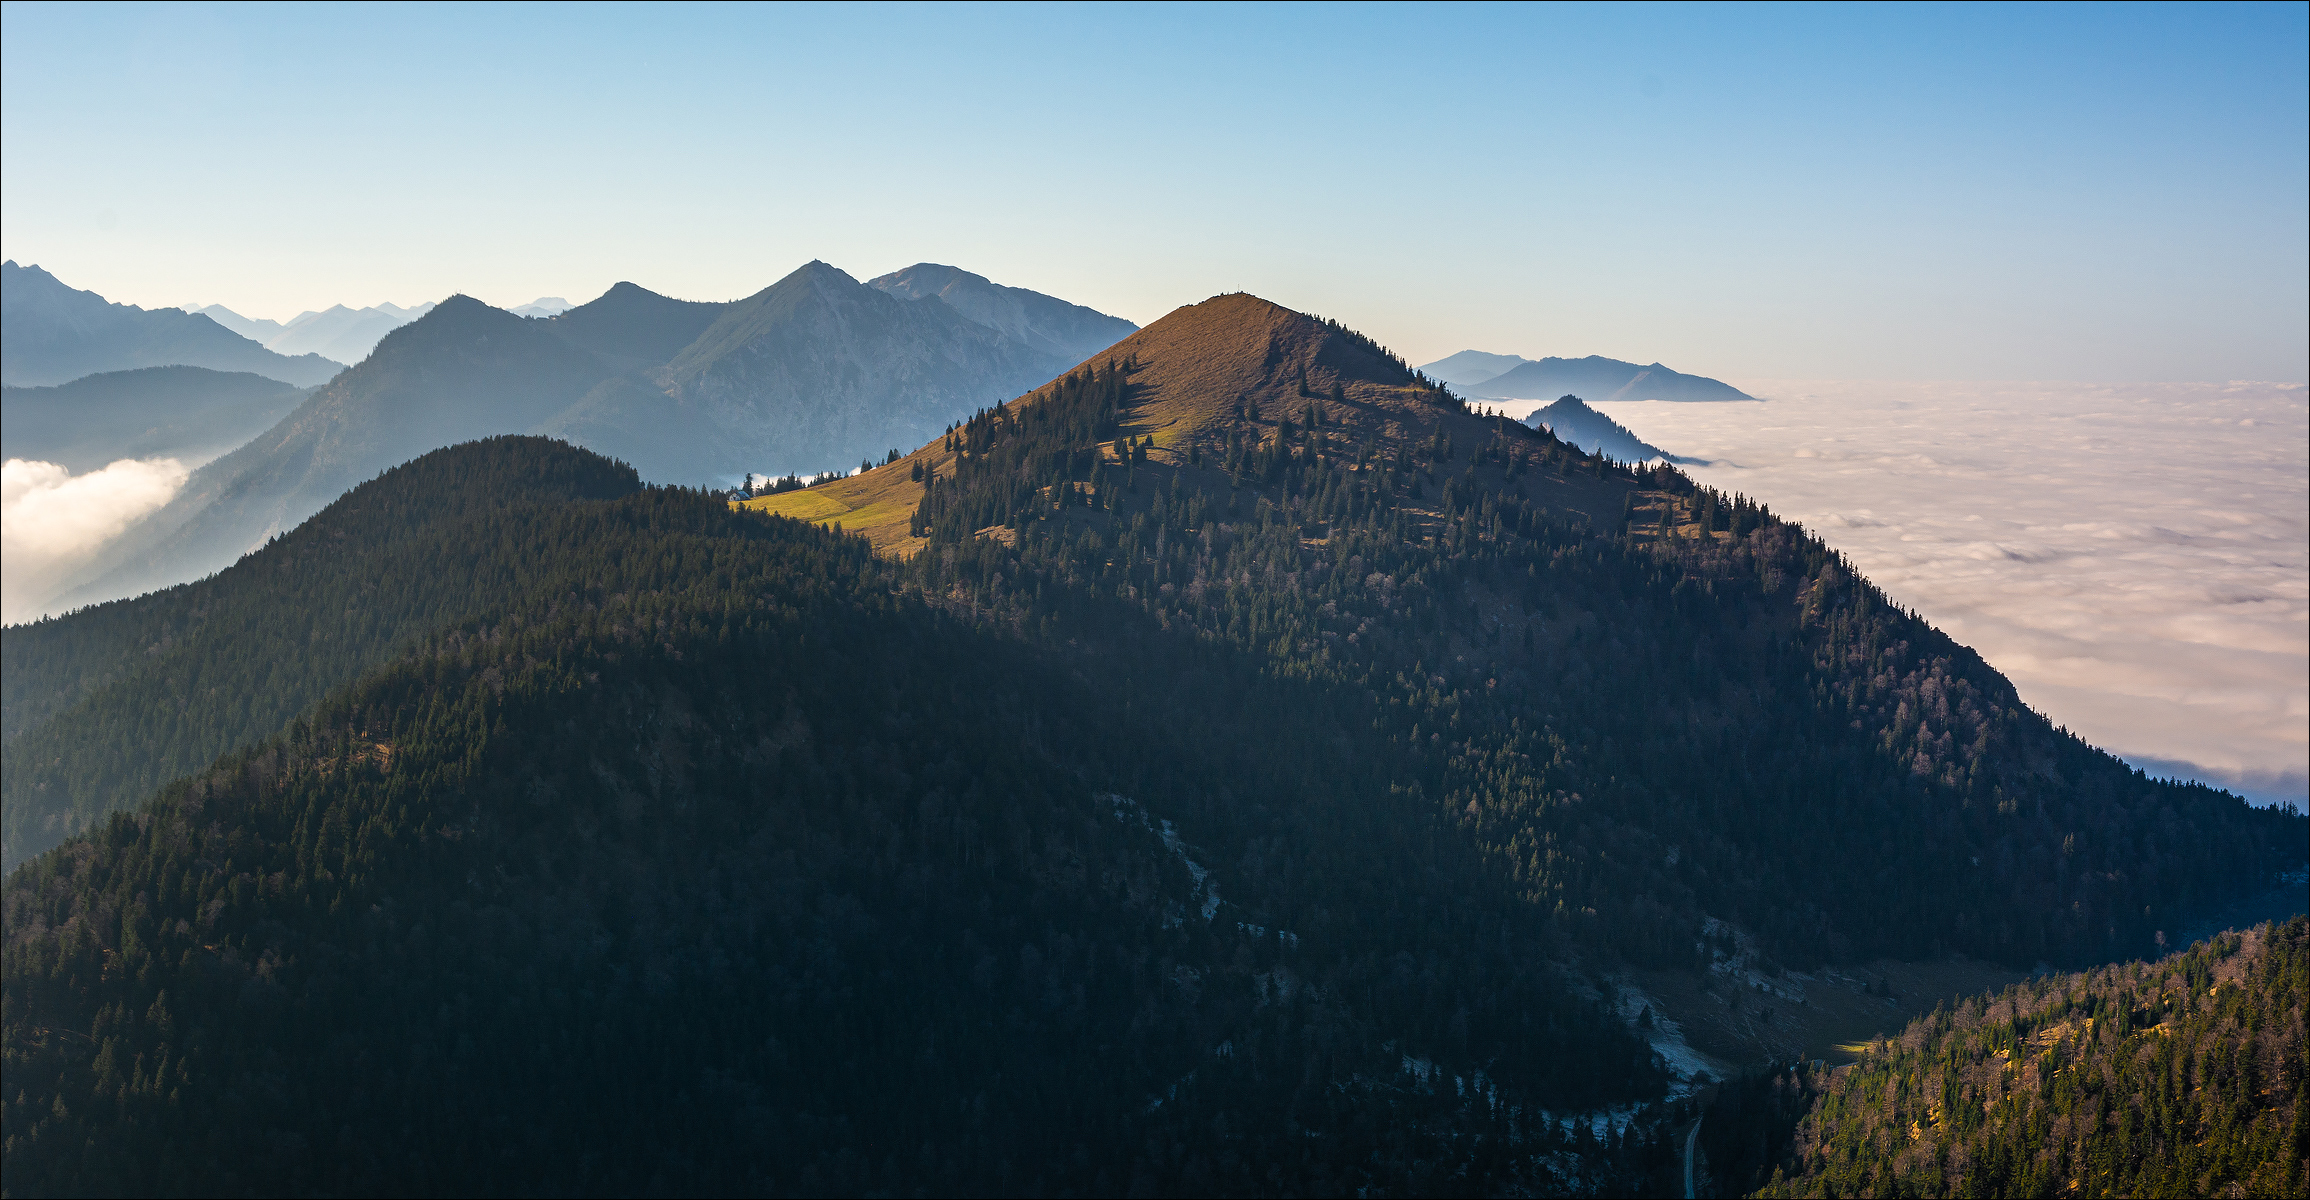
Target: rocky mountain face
{"points": [[51, 333]]}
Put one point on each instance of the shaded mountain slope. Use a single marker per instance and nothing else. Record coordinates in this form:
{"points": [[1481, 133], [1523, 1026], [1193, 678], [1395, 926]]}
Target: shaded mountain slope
{"points": [[51, 333], [1067, 332], [808, 365], [1598, 378], [723, 812], [1573, 421], [1473, 716], [463, 371], [103, 706], [176, 412], [633, 328], [1696, 709]]}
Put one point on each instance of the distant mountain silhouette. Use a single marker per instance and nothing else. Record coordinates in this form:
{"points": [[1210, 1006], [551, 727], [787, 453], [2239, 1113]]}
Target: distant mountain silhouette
{"points": [[177, 412], [1470, 367], [1069, 332], [1599, 378], [633, 328], [815, 372], [343, 334], [461, 372], [1573, 421], [543, 306], [256, 329], [812, 373], [51, 333]]}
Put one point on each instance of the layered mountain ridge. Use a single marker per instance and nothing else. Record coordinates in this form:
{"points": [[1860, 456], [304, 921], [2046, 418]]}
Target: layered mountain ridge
{"points": [[809, 374], [51, 333], [1483, 376], [1237, 732], [189, 413]]}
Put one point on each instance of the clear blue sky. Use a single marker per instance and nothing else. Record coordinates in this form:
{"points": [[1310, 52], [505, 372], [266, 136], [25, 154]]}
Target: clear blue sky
{"points": [[2063, 192]]}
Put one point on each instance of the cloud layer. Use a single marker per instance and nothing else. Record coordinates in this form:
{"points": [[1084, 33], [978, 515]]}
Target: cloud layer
{"points": [[2133, 557], [52, 521]]}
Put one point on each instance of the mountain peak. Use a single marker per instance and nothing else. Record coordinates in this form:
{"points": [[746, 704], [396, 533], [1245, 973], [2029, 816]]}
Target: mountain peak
{"points": [[53, 332]]}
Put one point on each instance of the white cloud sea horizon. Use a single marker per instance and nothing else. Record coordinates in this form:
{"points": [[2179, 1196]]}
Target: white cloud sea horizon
{"points": [[2135, 557]]}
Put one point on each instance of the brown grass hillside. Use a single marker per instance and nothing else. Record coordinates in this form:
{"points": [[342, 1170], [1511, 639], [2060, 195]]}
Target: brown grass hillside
{"points": [[1191, 371]]}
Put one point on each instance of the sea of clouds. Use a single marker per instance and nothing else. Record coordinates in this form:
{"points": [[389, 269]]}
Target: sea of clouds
{"points": [[52, 521], [2135, 557]]}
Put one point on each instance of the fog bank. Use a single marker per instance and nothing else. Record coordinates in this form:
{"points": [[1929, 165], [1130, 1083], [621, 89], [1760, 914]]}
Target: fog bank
{"points": [[2131, 556], [52, 521]]}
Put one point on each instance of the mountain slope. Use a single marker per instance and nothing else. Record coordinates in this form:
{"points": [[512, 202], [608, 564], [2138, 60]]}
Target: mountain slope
{"points": [[712, 808], [634, 328], [1242, 629], [1598, 378], [1754, 733], [51, 333], [1067, 332], [100, 708], [1573, 421], [463, 371], [1207, 379], [176, 412], [2184, 1077]]}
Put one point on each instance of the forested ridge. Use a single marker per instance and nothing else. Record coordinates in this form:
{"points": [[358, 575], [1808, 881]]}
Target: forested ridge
{"points": [[1695, 708], [1237, 787], [105, 706], [734, 852], [2182, 1077]]}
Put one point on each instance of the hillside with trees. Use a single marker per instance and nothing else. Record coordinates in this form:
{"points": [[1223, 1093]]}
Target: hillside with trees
{"points": [[1649, 701], [2181, 1077], [1236, 765], [716, 811]]}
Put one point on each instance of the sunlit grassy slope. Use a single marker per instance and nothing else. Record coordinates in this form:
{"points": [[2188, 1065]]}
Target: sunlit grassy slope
{"points": [[1192, 369]]}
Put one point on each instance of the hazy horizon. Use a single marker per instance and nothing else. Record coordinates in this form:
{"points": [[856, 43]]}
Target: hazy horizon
{"points": [[2111, 194]]}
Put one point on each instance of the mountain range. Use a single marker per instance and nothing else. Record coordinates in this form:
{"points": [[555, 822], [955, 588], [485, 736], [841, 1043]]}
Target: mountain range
{"points": [[1235, 764], [51, 333], [343, 334], [809, 374], [1594, 378], [1471, 366]]}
